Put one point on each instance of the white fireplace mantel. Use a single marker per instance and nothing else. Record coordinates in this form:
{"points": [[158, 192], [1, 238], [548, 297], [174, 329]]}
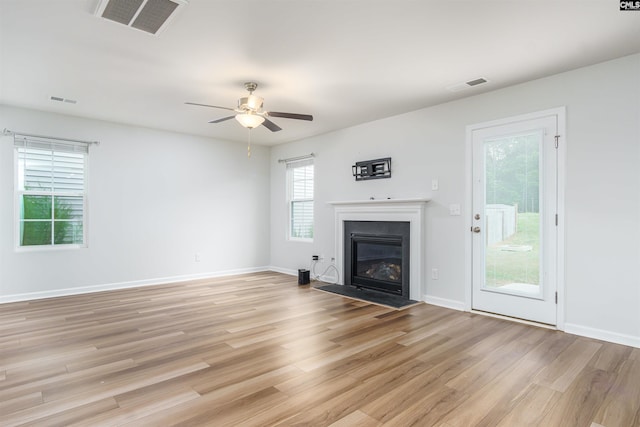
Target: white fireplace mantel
{"points": [[370, 202], [408, 210]]}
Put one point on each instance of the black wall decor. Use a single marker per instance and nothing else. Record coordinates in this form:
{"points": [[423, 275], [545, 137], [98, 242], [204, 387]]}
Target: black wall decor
{"points": [[372, 169]]}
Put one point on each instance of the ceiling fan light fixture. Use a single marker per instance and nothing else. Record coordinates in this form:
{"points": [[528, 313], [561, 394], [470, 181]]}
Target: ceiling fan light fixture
{"points": [[249, 120]]}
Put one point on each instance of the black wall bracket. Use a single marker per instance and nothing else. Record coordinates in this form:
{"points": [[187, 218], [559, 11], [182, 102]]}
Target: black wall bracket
{"points": [[372, 169]]}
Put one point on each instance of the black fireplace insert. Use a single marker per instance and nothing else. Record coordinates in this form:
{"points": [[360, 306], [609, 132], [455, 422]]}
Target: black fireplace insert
{"points": [[376, 255]]}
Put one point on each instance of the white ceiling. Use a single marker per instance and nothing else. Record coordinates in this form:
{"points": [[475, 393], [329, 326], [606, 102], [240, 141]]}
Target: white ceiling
{"points": [[344, 61]]}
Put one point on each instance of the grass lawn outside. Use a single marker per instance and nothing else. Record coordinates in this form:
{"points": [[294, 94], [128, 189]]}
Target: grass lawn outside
{"points": [[510, 261]]}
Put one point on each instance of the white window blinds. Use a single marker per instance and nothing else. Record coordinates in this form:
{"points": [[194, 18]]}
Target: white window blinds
{"points": [[300, 189]]}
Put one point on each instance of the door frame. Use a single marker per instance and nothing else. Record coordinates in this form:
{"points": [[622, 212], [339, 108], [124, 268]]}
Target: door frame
{"points": [[560, 114]]}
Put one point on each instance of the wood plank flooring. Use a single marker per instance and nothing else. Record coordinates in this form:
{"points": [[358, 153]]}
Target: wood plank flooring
{"points": [[258, 350]]}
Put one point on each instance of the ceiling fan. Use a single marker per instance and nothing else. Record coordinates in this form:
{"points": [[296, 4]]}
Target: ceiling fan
{"points": [[249, 112]]}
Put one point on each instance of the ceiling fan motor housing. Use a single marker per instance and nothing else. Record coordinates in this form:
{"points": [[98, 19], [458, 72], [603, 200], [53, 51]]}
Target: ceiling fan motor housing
{"points": [[251, 86], [250, 103]]}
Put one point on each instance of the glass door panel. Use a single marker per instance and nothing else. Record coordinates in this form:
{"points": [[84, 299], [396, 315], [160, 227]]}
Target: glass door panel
{"points": [[512, 214]]}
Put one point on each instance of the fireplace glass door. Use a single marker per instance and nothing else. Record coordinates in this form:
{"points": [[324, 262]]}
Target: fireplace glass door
{"points": [[377, 262]]}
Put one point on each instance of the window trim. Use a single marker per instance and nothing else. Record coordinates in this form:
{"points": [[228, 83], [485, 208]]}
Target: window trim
{"points": [[291, 165], [18, 193]]}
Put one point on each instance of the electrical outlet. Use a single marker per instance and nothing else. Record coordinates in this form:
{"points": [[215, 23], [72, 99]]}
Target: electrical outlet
{"points": [[314, 257], [434, 273]]}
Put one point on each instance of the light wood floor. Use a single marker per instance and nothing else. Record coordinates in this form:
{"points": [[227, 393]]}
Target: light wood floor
{"points": [[257, 350]]}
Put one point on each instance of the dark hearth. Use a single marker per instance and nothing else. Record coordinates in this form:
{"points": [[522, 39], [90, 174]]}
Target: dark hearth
{"points": [[376, 256], [375, 297]]}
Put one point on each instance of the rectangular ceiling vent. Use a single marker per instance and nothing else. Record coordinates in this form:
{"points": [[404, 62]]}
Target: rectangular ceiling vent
{"points": [[150, 16], [476, 82], [61, 99], [466, 85]]}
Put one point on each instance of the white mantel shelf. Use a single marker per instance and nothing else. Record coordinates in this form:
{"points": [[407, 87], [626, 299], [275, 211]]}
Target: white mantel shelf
{"points": [[378, 201]]}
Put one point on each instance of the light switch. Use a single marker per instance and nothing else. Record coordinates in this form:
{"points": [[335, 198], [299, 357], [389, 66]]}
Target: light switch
{"points": [[434, 184]]}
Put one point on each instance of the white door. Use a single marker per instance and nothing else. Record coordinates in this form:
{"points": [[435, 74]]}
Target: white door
{"points": [[514, 225]]}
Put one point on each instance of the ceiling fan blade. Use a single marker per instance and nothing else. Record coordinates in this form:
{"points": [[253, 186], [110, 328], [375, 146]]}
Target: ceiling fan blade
{"points": [[270, 125], [308, 117], [211, 106], [224, 119]]}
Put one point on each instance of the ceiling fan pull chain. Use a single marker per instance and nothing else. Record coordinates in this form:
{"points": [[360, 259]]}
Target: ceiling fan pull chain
{"points": [[249, 145]]}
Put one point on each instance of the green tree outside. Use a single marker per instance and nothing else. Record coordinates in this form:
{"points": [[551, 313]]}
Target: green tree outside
{"points": [[37, 221]]}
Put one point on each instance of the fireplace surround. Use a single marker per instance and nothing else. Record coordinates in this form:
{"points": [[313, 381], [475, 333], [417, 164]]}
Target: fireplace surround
{"points": [[402, 210]]}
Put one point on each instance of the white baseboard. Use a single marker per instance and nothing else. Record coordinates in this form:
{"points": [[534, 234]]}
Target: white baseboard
{"points": [[125, 285], [603, 335], [443, 302], [322, 278], [288, 271]]}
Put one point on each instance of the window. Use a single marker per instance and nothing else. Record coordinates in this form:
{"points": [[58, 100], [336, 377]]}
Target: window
{"points": [[50, 192], [300, 199]]}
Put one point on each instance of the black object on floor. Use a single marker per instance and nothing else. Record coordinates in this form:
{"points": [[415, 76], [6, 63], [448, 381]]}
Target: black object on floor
{"points": [[376, 297], [303, 277]]}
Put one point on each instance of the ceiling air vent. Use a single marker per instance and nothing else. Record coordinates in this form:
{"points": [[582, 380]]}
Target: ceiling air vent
{"points": [[150, 16], [61, 99], [476, 82], [466, 85]]}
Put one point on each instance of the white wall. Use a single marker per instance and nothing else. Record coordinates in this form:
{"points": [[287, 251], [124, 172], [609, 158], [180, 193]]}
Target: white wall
{"points": [[602, 200], [155, 199]]}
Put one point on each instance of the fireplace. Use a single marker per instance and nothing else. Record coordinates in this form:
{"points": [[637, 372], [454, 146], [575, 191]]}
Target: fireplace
{"points": [[376, 255], [410, 211]]}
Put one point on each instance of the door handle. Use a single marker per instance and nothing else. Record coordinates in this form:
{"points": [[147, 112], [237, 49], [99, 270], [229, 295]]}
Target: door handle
{"points": [[476, 229]]}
